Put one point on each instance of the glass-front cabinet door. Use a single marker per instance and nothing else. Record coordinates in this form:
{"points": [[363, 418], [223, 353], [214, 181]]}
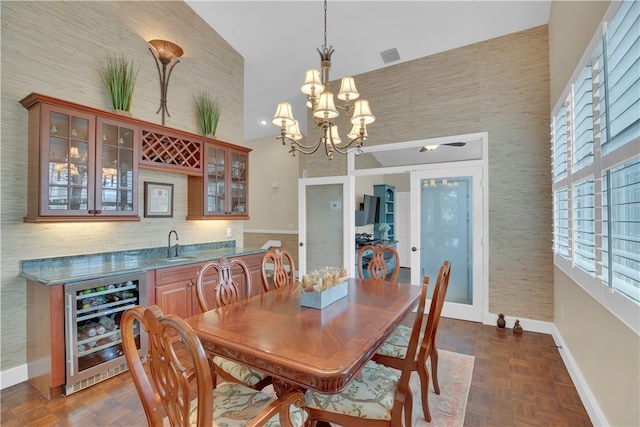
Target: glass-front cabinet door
{"points": [[68, 155], [91, 165], [216, 191], [225, 181], [238, 183], [117, 168]]}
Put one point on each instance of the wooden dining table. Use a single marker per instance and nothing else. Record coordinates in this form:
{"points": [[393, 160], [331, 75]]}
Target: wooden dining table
{"points": [[307, 348]]}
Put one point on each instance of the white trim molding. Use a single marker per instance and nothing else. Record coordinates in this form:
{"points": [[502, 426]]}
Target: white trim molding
{"points": [[13, 376], [246, 231], [588, 399]]}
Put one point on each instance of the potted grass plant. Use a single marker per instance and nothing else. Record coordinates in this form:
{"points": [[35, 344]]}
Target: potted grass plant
{"points": [[119, 78], [209, 108]]}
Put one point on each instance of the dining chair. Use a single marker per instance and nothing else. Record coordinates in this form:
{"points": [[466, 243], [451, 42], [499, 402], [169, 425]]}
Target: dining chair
{"points": [[227, 290], [177, 389], [284, 269], [393, 353], [376, 267], [377, 395]]}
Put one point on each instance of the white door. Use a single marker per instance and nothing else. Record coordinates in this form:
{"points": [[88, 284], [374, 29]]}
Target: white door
{"points": [[323, 225], [448, 223]]}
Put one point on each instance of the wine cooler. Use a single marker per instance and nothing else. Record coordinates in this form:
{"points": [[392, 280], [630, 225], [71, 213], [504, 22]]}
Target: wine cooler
{"points": [[94, 349]]}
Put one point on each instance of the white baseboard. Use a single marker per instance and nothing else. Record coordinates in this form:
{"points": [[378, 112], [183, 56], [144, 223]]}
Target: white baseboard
{"points": [[588, 399], [13, 376], [527, 324]]}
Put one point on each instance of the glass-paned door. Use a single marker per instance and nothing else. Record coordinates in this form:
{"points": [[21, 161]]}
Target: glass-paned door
{"points": [[449, 227], [446, 233], [323, 223]]}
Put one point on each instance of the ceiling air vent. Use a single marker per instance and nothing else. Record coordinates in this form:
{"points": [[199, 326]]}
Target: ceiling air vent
{"points": [[389, 56]]}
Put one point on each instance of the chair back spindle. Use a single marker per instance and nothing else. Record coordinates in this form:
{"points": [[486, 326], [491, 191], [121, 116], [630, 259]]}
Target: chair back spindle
{"points": [[228, 290], [281, 260], [376, 268]]}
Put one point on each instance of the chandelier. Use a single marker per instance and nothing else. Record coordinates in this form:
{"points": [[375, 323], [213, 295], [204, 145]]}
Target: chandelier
{"points": [[320, 100]]}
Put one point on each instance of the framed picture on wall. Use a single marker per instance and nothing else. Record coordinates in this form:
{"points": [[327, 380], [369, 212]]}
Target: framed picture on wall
{"points": [[158, 200]]}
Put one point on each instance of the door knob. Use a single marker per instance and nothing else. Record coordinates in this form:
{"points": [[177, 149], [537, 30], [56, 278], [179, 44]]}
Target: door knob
{"points": [[301, 244], [413, 249]]}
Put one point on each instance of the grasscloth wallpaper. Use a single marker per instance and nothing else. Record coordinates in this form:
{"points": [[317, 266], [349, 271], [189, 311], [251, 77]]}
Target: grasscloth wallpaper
{"points": [[500, 86], [55, 48]]}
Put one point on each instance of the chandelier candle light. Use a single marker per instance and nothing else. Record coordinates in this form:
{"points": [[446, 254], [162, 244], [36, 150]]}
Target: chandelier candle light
{"points": [[321, 101]]}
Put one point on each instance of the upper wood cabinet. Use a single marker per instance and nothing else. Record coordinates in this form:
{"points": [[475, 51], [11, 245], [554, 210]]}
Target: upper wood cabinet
{"points": [[222, 192], [81, 166]]}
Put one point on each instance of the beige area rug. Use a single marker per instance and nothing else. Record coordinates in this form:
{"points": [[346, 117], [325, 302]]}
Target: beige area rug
{"points": [[448, 408]]}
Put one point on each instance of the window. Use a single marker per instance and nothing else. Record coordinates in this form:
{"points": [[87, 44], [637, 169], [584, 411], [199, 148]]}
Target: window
{"points": [[560, 144], [583, 100], [621, 227], [562, 223], [584, 226], [595, 140]]}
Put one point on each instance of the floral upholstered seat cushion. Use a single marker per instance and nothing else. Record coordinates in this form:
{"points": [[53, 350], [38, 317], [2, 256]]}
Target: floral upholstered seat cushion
{"points": [[397, 343], [243, 373], [370, 394], [236, 405]]}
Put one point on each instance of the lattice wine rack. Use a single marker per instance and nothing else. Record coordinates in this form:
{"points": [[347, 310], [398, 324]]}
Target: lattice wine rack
{"points": [[161, 149]]}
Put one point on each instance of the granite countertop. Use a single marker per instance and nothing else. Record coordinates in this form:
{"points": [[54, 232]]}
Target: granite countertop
{"points": [[70, 269]]}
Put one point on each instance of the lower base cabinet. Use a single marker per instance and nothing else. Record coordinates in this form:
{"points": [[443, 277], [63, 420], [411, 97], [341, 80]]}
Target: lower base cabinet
{"points": [[175, 287]]}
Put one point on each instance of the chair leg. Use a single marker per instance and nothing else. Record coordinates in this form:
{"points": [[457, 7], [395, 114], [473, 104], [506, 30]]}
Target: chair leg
{"points": [[408, 408], [214, 375], [434, 368], [424, 390]]}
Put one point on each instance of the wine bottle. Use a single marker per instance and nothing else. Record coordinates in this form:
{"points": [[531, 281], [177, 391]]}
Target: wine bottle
{"points": [[107, 322]]}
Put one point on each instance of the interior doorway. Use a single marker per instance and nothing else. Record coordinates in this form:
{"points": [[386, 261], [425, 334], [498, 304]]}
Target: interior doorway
{"points": [[468, 300]]}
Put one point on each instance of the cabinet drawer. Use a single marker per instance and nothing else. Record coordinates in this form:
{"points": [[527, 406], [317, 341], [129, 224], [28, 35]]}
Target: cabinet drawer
{"points": [[176, 274]]}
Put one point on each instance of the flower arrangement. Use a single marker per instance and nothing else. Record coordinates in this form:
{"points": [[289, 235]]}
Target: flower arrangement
{"points": [[323, 279], [209, 109], [384, 227], [119, 78]]}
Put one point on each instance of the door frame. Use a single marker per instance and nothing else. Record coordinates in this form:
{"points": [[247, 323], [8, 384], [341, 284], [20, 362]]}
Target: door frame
{"points": [[449, 309], [479, 260]]}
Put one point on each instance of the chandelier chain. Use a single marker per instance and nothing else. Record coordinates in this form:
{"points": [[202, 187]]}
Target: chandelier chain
{"points": [[325, 25]]}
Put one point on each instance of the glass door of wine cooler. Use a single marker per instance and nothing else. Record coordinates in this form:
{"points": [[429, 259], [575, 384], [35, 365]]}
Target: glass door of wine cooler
{"points": [[92, 321]]}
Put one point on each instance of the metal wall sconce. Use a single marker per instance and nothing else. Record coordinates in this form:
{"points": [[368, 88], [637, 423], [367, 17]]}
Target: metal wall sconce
{"points": [[164, 51]]}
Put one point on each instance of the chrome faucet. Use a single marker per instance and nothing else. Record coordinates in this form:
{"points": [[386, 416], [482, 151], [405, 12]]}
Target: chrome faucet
{"points": [[177, 246]]}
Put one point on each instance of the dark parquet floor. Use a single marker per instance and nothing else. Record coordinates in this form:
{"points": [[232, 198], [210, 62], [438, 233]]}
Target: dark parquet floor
{"points": [[517, 381]]}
